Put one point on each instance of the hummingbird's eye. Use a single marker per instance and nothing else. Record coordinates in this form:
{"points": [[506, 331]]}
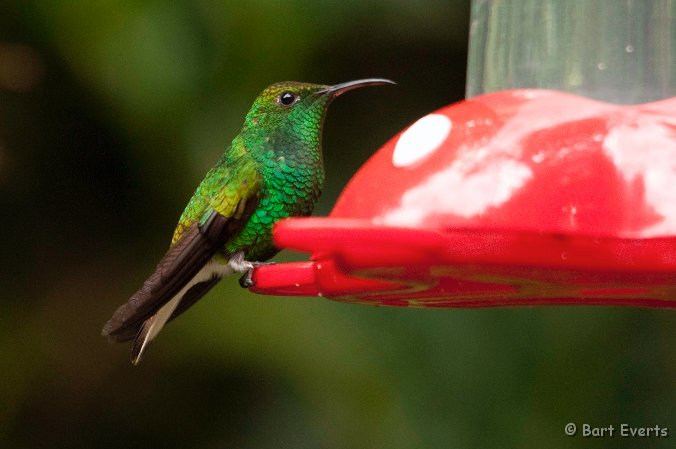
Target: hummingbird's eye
{"points": [[286, 98]]}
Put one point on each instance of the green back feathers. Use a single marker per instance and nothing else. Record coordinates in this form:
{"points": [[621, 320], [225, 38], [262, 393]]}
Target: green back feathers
{"points": [[277, 155]]}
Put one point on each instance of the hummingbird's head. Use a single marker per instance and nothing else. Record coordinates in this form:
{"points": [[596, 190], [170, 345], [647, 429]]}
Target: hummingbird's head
{"points": [[297, 108]]}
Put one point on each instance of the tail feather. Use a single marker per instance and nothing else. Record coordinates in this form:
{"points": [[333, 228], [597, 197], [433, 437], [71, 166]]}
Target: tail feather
{"points": [[141, 341], [185, 273], [151, 328], [180, 265], [203, 281], [194, 294]]}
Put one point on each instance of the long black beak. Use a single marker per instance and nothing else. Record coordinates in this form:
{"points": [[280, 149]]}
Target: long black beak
{"points": [[341, 88]]}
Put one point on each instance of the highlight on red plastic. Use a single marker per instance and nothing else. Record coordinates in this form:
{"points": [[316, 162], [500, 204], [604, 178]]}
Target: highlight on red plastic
{"points": [[523, 197]]}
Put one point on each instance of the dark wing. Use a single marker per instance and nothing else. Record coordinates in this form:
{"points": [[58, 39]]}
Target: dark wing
{"points": [[180, 264]]}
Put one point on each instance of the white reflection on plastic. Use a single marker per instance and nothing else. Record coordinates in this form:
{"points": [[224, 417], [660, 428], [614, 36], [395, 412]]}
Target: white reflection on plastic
{"points": [[453, 190], [421, 139], [644, 149]]}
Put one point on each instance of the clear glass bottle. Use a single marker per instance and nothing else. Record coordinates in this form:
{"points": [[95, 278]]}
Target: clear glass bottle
{"points": [[620, 51]]}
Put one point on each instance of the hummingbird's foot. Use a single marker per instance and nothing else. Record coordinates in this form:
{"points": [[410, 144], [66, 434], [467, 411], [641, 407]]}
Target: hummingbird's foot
{"points": [[246, 280]]}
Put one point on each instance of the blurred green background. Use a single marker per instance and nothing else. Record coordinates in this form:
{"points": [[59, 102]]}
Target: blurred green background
{"points": [[110, 114]]}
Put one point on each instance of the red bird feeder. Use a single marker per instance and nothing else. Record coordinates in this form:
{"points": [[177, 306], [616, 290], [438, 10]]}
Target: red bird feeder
{"points": [[523, 197]]}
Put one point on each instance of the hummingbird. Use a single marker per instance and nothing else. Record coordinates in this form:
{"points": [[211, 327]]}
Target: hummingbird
{"points": [[273, 169]]}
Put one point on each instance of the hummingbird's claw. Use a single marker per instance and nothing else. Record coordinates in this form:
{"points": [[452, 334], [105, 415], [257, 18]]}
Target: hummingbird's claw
{"points": [[246, 280]]}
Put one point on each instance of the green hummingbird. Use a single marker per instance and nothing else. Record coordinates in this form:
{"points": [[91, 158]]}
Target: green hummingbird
{"points": [[273, 169]]}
